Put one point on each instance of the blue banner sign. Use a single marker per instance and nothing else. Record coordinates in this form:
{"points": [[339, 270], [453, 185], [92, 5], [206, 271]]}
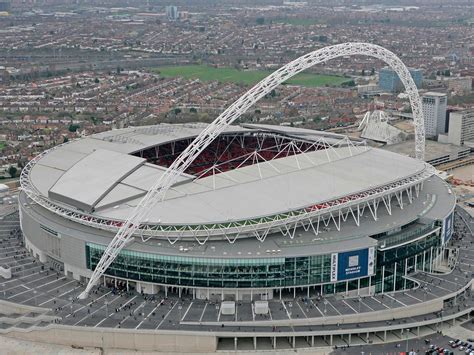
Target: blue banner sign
{"points": [[352, 264]]}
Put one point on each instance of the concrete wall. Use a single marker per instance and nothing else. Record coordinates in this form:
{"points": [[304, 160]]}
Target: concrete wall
{"points": [[397, 313], [167, 342], [10, 308]]}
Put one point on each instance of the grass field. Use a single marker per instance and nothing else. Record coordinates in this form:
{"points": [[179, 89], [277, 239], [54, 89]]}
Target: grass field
{"points": [[206, 73]]}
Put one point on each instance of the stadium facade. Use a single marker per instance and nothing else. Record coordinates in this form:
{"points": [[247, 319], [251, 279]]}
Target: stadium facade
{"points": [[263, 209]]}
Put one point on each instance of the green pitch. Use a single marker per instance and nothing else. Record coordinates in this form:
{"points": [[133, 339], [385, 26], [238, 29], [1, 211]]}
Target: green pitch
{"points": [[248, 77]]}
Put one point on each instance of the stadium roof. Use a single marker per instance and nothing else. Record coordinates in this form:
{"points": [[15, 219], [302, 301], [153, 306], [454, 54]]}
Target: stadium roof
{"points": [[98, 174]]}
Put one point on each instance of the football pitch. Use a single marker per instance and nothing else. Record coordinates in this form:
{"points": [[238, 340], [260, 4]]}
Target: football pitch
{"points": [[248, 77]]}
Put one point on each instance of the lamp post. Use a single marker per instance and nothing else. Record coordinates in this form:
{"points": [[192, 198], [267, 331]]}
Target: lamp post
{"points": [[70, 302], [325, 305], [180, 307], [106, 309], [290, 307]]}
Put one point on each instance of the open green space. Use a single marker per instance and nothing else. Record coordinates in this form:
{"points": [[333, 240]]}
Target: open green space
{"points": [[2, 145], [248, 77]]}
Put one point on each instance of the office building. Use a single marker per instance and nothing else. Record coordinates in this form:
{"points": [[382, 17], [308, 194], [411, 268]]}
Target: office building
{"points": [[389, 80], [172, 12], [434, 112], [461, 127]]}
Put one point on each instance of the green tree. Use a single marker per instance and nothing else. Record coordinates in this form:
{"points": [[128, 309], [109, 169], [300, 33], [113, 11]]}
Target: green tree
{"points": [[192, 110], [323, 39], [260, 20], [177, 111], [96, 80], [350, 83], [73, 127], [12, 171]]}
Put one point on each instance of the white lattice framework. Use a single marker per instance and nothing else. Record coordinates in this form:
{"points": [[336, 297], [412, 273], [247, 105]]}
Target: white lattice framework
{"points": [[159, 189]]}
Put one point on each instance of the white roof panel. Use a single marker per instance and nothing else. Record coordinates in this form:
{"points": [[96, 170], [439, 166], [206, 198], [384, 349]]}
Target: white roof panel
{"points": [[84, 184]]}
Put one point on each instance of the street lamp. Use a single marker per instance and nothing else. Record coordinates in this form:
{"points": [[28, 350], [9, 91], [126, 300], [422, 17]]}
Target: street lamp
{"points": [[325, 304], [180, 307], [290, 306], [106, 309]]}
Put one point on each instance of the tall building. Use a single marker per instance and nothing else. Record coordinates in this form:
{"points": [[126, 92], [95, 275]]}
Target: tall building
{"points": [[172, 12], [389, 80], [5, 5], [461, 127], [434, 112]]}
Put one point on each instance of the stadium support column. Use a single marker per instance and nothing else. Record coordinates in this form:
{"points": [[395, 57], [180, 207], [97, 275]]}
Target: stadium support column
{"points": [[395, 277], [383, 278], [406, 272], [431, 259]]}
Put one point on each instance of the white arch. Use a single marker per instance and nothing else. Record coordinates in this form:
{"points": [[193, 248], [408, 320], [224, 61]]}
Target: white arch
{"points": [[234, 111]]}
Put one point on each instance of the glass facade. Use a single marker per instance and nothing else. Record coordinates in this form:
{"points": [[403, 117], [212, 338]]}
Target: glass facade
{"points": [[214, 272], [389, 80], [391, 263], [187, 271]]}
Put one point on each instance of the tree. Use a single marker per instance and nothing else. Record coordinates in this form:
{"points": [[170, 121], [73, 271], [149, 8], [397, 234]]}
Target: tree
{"points": [[12, 171], [349, 83], [363, 72], [96, 80], [177, 111], [260, 20], [323, 39], [73, 127], [192, 110], [258, 112]]}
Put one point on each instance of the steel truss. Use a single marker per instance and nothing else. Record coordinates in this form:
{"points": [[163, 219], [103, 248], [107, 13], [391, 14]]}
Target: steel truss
{"points": [[158, 191]]}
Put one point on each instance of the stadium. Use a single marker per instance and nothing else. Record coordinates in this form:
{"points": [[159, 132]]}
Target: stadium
{"points": [[196, 238], [261, 210]]}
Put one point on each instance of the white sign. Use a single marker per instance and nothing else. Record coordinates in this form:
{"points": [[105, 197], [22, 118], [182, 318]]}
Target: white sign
{"points": [[334, 267], [371, 261]]}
